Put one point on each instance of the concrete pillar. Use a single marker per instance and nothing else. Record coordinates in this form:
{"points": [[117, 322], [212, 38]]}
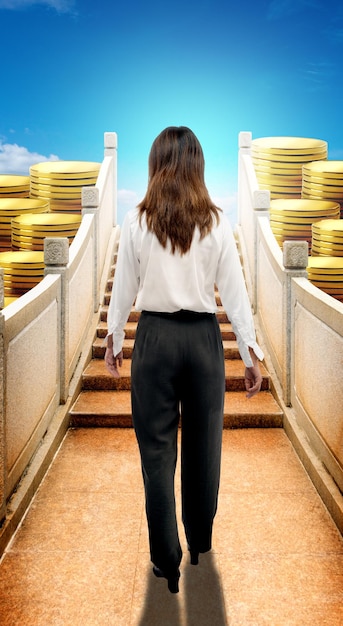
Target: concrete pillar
{"points": [[2, 423], [2, 404], [111, 149], [261, 205], [56, 258], [2, 289], [295, 261], [90, 204]]}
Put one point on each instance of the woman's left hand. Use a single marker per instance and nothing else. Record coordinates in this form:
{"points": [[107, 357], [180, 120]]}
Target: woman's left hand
{"points": [[253, 380]]}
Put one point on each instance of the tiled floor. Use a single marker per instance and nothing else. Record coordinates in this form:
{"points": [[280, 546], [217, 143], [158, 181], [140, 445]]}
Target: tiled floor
{"points": [[81, 554]]}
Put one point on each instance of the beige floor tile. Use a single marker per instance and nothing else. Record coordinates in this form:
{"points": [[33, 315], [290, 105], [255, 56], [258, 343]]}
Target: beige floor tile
{"points": [[82, 521], [81, 556], [283, 591], [96, 460], [260, 459], [286, 523], [66, 589]]}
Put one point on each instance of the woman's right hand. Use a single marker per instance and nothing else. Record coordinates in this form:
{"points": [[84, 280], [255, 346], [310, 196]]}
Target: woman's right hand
{"points": [[113, 362]]}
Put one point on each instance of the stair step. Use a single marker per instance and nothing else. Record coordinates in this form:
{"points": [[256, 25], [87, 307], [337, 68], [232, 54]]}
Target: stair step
{"points": [[131, 327], [113, 409], [109, 285], [130, 330], [99, 348], [96, 377], [106, 401], [134, 315]]}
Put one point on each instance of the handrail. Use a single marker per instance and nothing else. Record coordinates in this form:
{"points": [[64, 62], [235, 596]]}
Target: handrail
{"points": [[46, 335], [302, 330]]}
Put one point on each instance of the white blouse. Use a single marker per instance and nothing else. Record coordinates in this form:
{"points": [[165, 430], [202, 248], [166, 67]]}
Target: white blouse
{"points": [[160, 281]]}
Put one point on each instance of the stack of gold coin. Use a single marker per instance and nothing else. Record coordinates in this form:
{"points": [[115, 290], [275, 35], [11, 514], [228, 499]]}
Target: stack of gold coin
{"points": [[326, 272], [323, 180], [29, 231], [14, 186], [13, 207], [22, 271], [278, 163], [61, 183], [293, 219], [327, 238]]}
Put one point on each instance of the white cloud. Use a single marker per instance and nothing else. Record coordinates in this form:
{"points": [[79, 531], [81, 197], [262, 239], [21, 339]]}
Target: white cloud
{"points": [[61, 6], [127, 200], [16, 159], [228, 204]]}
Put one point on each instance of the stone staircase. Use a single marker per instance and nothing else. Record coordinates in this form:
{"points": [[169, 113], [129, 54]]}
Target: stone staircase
{"points": [[105, 401]]}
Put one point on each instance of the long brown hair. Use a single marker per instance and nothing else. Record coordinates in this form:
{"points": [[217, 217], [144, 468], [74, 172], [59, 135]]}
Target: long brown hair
{"points": [[177, 199]]}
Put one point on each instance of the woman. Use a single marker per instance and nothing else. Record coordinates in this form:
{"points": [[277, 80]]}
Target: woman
{"points": [[174, 248]]}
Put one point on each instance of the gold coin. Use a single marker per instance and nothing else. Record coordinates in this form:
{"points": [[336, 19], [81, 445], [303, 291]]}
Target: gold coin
{"points": [[332, 249], [333, 278], [304, 205], [325, 168], [66, 169], [280, 189], [15, 194], [317, 179], [331, 264], [285, 196], [279, 181], [301, 221], [67, 182], [15, 180], [329, 226], [22, 281], [290, 229], [20, 259], [30, 244], [330, 236], [325, 251], [273, 166], [27, 271], [289, 143], [39, 238], [59, 202], [262, 170], [290, 157], [323, 189], [48, 219]]}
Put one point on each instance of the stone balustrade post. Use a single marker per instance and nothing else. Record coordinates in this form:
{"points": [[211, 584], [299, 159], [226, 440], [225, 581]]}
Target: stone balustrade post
{"points": [[244, 141], [261, 206], [2, 289], [111, 149], [90, 205], [2, 422], [295, 261], [56, 258], [2, 404]]}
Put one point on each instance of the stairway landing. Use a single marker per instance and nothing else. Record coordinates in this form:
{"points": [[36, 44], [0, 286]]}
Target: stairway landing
{"points": [[81, 555]]}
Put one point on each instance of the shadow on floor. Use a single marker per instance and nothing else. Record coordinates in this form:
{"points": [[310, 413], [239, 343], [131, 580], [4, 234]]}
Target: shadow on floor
{"points": [[199, 603]]}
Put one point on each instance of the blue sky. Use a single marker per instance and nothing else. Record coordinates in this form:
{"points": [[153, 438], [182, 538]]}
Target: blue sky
{"points": [[73, 69]]}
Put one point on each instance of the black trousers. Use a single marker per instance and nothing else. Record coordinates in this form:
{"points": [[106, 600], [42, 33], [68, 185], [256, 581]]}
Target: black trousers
{"points": [[178, 369]]}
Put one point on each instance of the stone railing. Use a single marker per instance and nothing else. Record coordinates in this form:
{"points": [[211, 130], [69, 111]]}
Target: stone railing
{"points": [[45, 340], [301, 328]]}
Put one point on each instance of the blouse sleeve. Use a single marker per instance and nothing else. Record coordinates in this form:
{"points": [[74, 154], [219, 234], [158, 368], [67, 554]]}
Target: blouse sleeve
{"points": [[125, 285], [234, 296]]}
